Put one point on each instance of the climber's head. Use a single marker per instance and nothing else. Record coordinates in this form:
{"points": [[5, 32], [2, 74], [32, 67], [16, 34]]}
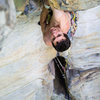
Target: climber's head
{"points": [[62, 44], [57, 39]]}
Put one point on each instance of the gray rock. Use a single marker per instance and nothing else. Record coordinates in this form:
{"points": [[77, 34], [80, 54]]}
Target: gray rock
{"points": [[76, 5], [85, 55], [7, 18], [3, 5]]}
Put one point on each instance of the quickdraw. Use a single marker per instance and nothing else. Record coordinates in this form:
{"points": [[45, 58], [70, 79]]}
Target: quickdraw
{"points": [[74, 18]]}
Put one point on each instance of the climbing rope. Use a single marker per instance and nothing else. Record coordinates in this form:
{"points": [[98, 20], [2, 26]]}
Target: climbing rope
{"points": [[63, 72]]}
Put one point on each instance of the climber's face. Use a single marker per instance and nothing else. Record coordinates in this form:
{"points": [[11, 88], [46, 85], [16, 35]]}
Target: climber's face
{"points": [[54, 36]]}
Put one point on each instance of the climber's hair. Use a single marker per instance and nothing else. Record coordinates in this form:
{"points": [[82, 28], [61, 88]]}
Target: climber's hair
{"points": [[62, 45]]}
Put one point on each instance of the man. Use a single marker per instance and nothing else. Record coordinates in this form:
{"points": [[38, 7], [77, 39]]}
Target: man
{"points": [[55, 24]]}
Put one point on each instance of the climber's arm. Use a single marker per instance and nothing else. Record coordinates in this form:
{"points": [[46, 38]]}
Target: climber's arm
{"points": [[43, 17]]}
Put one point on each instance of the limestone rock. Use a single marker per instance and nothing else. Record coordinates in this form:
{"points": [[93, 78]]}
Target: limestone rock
{"points": [[85, 55], [75, 5], [23, 63], [7, 18], [24, 57]]}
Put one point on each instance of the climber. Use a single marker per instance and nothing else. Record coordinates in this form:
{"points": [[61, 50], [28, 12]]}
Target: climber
{"points": [[55, 24]]}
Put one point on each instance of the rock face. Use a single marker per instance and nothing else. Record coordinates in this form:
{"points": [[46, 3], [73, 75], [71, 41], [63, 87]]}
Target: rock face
{"points": [[23, 63], [24, 57], [89, 37], [7, 18], [24, 72], [85, 55], [78, 4]]}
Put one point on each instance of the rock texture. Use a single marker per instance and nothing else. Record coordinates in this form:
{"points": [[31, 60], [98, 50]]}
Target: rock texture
{"points": [[24, 57], [78, 4], [88, 35], [85, 55], [70, 5], [23, 63], [7, 18]]}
